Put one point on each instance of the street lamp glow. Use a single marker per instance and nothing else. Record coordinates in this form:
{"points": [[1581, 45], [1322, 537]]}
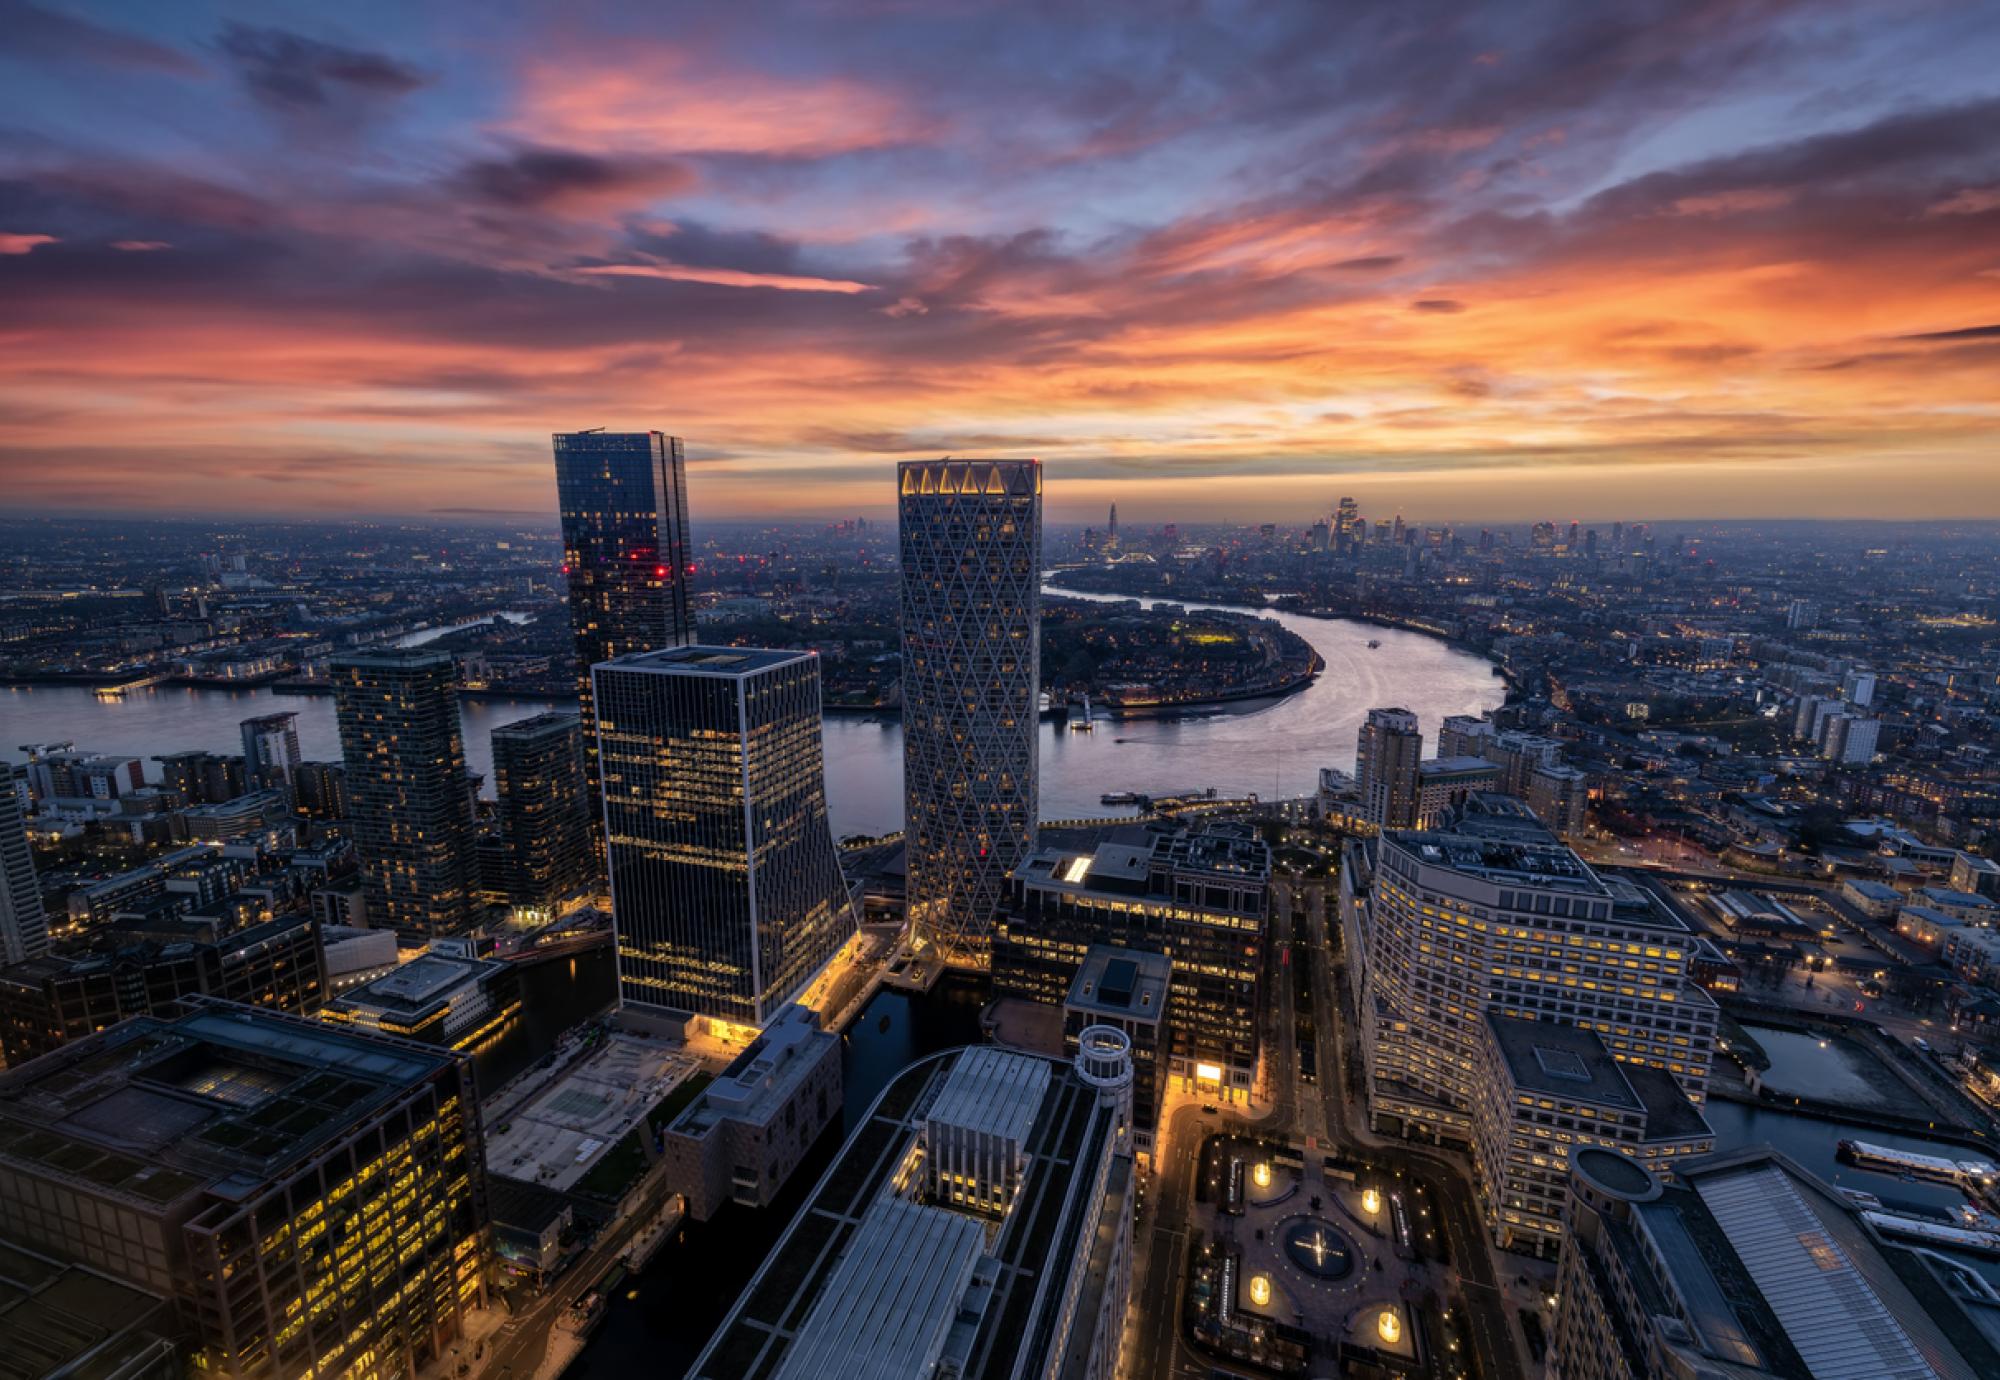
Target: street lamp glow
{"points": [[1260, 1290], [1262, 1174], [1389, 1326], [1371, 1201]]}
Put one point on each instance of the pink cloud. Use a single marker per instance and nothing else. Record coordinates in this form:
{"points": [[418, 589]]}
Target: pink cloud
{"points": [[725, 277], [140, 246], [24, 244], [1969, 201]]}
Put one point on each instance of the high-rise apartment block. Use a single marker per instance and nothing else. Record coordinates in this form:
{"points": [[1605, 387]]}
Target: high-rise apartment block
{"points": [[1199, 896], [1385, 768], [971, 549], [1494, 915], [1849, 739], [726, 887], [410, 803], [270, 749], [626, 551], [312, 1200], [544, 809], [24, 926], [1745, 1265]]}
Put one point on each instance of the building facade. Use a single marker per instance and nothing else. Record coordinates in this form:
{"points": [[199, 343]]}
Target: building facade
{"points": [[1496, 915], [726, 887], [971, 554], [1200, 895], [270, 749], [24, 925], [544, 809], [410, 803], [626, 553], [1386, 768], [311, 1200]]}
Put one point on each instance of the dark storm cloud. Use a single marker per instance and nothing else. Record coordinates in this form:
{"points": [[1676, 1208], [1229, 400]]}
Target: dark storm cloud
{"points": [[534, 178], [290, 72]]}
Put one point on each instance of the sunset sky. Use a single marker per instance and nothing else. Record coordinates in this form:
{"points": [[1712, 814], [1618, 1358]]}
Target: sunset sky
{"points": [[1491, 262]]}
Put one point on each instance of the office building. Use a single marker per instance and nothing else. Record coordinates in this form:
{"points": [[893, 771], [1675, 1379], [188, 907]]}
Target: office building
{"points": [[626, 553], [977, 1224], [270, 749], [1198, 894], [24, 926], [410, 804], [1745, 1266], [1464, 735], [1385, 768], [544, 809], [741, 1137], [726, 887], [60, 1320], [51, 1000], [310, 1199], [438, 998], [1131, 991], [971, 553], [1548, 1087], [1493, 914]]}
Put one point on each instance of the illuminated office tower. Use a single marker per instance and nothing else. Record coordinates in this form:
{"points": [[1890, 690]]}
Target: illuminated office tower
{"points": [[312, 1200], [623, 498], [725, 886], [1386, 768], [24, 926], [410, 806], [544, 809], [971, 546], [270, 749]]}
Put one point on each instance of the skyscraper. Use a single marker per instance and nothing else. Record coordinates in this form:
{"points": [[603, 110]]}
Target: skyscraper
{"points": [[24, 927], [1386, 768], [626, 552], [1111, 530], [270, 749], [411, 809], [544, 809], [971, 540], [725, 886]]}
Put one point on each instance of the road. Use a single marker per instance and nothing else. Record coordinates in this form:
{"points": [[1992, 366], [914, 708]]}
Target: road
{"points": [[1318, 1116]]}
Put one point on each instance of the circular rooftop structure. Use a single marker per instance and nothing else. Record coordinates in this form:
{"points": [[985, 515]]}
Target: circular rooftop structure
{"points": [[1317, 1247], [1617, 1175], [1104, 1056]]}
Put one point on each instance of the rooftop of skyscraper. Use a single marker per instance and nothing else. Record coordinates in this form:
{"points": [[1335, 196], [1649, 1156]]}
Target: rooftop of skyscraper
{"points": [[709, 661]]}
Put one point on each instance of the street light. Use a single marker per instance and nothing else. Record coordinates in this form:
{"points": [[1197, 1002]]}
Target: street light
{"points": [[1260, 1290], [1262, 1174], [1371, 1201], [1389, 1326]]}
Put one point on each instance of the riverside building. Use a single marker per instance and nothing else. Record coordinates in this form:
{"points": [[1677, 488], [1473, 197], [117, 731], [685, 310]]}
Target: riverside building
{"points": [[310, 1200], [1386, 768], [977, 1224], [24, 925], [626, 553], [544, 809], [1493, 914], [410, 801], [1196, 895], [971, 554], [726, 889]]}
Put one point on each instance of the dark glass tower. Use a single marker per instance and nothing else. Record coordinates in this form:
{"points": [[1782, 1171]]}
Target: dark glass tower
{"points": [[725, 885], [410, 805], [544, 809], [623, 498], [971, 552]]}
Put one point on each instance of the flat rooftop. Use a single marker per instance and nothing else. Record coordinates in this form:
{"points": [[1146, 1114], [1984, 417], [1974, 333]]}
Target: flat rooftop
{"points": [[424, 984], [1126, 983], [760, 1080], [559, 1137], [1505, 860], [993, 1091], [708, 661], [1561, 1061]]}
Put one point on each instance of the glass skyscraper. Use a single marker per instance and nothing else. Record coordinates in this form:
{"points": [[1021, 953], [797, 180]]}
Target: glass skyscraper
{"points": [[410, 805], [623, 497], [726, 889], [544, 809], [971, 541]]}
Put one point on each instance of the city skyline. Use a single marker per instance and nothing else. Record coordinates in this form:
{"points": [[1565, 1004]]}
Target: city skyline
{"points": [[1703, 260]]}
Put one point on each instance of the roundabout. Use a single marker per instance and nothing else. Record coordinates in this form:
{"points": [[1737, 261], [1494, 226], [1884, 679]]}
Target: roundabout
{"points": [[1317, 1247]]}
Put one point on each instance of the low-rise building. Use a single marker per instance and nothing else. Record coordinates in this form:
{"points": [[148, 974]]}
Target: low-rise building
{"points": [[1922, 925], [1970, 872], [884, 1276], [741, 1137], [1972, 953], [1876, 900], [1746, 1266], [1969, 907], [437, 997]]}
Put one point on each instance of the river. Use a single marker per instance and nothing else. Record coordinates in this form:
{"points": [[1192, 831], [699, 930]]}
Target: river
{"points": [[1269, 746], [1265, 747]]}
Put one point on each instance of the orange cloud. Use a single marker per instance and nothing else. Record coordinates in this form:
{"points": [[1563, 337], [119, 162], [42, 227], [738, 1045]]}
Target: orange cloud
{"points": [[24, 244], [723, 277]]}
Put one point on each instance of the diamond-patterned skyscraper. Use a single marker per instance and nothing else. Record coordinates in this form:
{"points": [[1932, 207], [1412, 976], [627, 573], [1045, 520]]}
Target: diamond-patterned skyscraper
{"points": [[972, 667]]}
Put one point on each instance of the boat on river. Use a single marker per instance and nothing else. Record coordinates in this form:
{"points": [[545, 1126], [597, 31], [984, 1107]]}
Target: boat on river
{"points": [[1080, 720], [1889, 1160]]}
